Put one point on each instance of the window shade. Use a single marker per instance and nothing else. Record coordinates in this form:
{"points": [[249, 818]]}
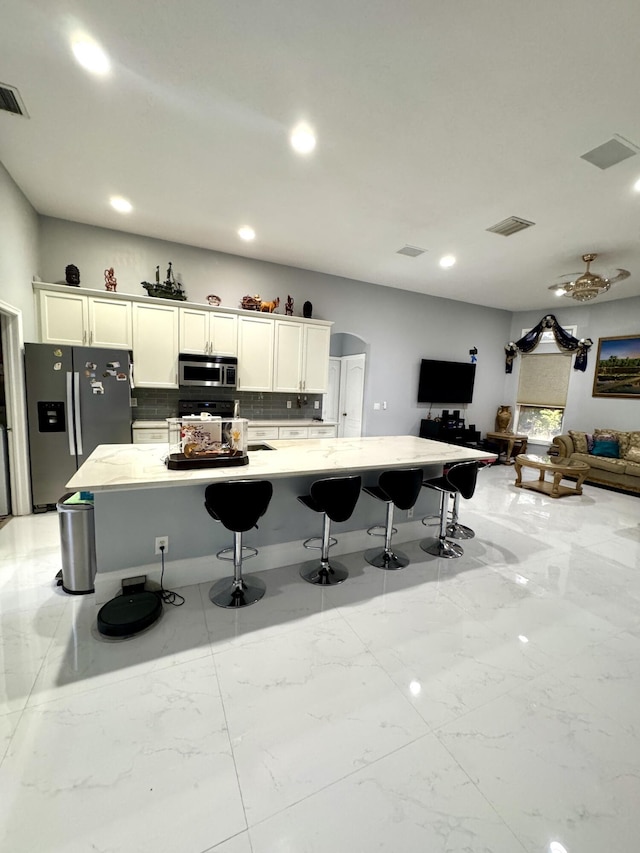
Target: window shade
{"points": [[544, 379]]}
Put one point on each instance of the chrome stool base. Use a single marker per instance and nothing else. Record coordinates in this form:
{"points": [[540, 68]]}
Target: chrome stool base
{"points": [[382, 559], [232, 594], [324, 574], [459, 531], [442, 548]]}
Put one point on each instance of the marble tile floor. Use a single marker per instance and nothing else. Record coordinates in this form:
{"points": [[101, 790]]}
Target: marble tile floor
{"points": [[482, 705]]}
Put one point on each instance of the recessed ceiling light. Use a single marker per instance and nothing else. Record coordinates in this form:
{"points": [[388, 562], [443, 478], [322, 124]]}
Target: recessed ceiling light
{"points": [[447, 261], [90, 55], [636, 186], [302, 139], [246, 233], [121, 204]]}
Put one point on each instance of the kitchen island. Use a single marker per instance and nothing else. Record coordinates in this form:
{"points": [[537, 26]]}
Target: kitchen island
{"points": [[137, 499]]}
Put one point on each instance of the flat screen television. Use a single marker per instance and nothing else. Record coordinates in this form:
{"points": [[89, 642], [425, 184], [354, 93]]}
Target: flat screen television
{"points": [[446, 381]]}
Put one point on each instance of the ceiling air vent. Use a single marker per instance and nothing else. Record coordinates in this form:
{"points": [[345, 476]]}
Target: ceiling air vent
{"points": [[510, 226], [11, 102], [609, 153], [411, 251]]}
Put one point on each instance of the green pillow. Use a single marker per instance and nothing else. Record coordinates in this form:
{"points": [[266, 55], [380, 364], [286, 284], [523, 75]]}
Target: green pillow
{"points": [[607, 448]]}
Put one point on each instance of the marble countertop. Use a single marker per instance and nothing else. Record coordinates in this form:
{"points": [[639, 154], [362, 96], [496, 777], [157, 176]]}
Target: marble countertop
{"points": [[274, 422], [130, 466]]}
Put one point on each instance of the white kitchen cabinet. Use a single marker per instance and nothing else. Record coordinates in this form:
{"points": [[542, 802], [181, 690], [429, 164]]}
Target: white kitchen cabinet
{"points": [[208, 332], [155, 345], [293, 432], [255, 353], [77, 320], [262, 433], [323, 432], [301, 357], [110, 323], [315, 376]]}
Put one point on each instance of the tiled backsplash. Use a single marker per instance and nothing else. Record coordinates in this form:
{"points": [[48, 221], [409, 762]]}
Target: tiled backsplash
{"points": [[157, 403]]}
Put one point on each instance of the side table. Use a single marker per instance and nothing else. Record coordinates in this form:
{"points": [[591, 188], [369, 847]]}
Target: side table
{"points": [[509, 439]]}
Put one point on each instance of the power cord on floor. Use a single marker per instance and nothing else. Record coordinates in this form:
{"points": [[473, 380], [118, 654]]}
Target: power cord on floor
{"points": [[167, 595]]}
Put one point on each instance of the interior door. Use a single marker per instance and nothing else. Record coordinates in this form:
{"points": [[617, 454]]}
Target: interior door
{"points": [[351, 395]]}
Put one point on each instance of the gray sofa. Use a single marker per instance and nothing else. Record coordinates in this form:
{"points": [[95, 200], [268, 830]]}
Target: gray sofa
{"points": [[622, 473]]}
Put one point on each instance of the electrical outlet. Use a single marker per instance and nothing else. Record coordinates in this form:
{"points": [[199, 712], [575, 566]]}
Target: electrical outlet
{"points": [[162, 540], [410, 513], [316, 404], [134, 402], [376, 406], [288, 404]]}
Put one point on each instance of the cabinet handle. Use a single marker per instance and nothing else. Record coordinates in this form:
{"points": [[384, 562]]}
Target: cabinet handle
{"points": [[91, 337], [84, 337]]}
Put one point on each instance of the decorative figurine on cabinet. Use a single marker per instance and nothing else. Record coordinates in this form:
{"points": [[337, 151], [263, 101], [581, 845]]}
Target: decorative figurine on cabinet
{"points": [[288, 308], [110, 281], [270, 307], [169, 289], [72, 275], [307, 308], [251, 303]]}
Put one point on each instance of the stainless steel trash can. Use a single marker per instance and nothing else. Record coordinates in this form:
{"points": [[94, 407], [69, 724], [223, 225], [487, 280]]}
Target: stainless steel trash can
{"points": [[77, 544]]}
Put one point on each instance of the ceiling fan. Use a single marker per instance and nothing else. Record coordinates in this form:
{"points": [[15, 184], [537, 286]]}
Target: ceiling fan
{"points": [[587, 285]]}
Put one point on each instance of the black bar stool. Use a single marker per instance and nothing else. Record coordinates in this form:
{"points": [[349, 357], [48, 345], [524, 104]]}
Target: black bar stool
{"points": [[336, 498], [459, 479], [237, 504], [455, 530], [399, 487]]}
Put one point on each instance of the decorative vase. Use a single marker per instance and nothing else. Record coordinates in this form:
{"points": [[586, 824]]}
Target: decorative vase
{"points": [[503, 419]]}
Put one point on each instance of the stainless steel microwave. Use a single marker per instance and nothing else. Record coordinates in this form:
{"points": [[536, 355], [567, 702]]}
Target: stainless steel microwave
{"points": [[209, 371]]}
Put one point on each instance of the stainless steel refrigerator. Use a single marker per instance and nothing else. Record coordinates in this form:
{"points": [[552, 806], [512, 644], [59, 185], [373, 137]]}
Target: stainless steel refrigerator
{"points": [[77, 398]]}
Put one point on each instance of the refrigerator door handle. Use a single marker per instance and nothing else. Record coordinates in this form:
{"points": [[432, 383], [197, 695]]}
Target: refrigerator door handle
{"points": [[72, 450], [76, 412]]}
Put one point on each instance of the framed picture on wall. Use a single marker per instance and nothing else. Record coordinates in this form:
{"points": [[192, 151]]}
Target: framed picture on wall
{"points": [[618, 367]]}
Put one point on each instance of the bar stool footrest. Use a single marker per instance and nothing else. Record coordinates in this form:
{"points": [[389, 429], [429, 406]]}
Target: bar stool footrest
{"points": [[227, 553], [375, 527], [332, 542]]}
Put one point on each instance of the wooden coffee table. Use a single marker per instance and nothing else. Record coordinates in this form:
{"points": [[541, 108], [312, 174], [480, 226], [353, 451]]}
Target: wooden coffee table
{"points": [[556, 465]]}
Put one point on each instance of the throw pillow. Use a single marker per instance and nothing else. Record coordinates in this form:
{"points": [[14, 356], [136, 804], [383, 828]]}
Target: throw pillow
{"points": [[633, 454], [589, 442], [579, 441], [604, 447], [622, 438]]}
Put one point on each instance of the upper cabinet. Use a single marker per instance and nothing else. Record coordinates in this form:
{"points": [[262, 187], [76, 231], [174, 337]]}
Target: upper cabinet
{"points": [[77, 320], [208, 332], [301, 357], [155, 345], [255, 352], [275, 352]]}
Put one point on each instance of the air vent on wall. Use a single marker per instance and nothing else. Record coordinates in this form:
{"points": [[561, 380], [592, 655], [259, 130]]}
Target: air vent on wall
{"points": [[609, 153], [510, 226], [11, 102], [411, 251]]}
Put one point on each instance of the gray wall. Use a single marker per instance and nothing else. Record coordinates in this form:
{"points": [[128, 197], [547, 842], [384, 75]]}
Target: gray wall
{"points": [[399, 328], [18, 250], [596, 320]]}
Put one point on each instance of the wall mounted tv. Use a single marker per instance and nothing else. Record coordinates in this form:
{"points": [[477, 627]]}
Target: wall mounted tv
{"points": [[446, 381]]}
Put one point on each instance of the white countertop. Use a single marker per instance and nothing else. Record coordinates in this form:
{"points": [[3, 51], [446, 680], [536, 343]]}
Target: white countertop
{"points": [[129, 466], [274, 422]]}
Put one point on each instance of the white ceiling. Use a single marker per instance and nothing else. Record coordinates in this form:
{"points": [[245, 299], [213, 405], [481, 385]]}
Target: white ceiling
{"points": [[435, 120]]}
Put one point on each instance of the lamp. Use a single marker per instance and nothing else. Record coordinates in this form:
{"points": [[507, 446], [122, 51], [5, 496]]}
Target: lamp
{"points": [[587, 285]]}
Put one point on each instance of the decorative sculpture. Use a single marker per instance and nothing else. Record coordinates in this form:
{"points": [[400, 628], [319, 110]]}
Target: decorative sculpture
{"points": [[169, 289], [72, 275], [288, 308], [251, 303], [270, 307], [307, 308], [110, 281]]}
